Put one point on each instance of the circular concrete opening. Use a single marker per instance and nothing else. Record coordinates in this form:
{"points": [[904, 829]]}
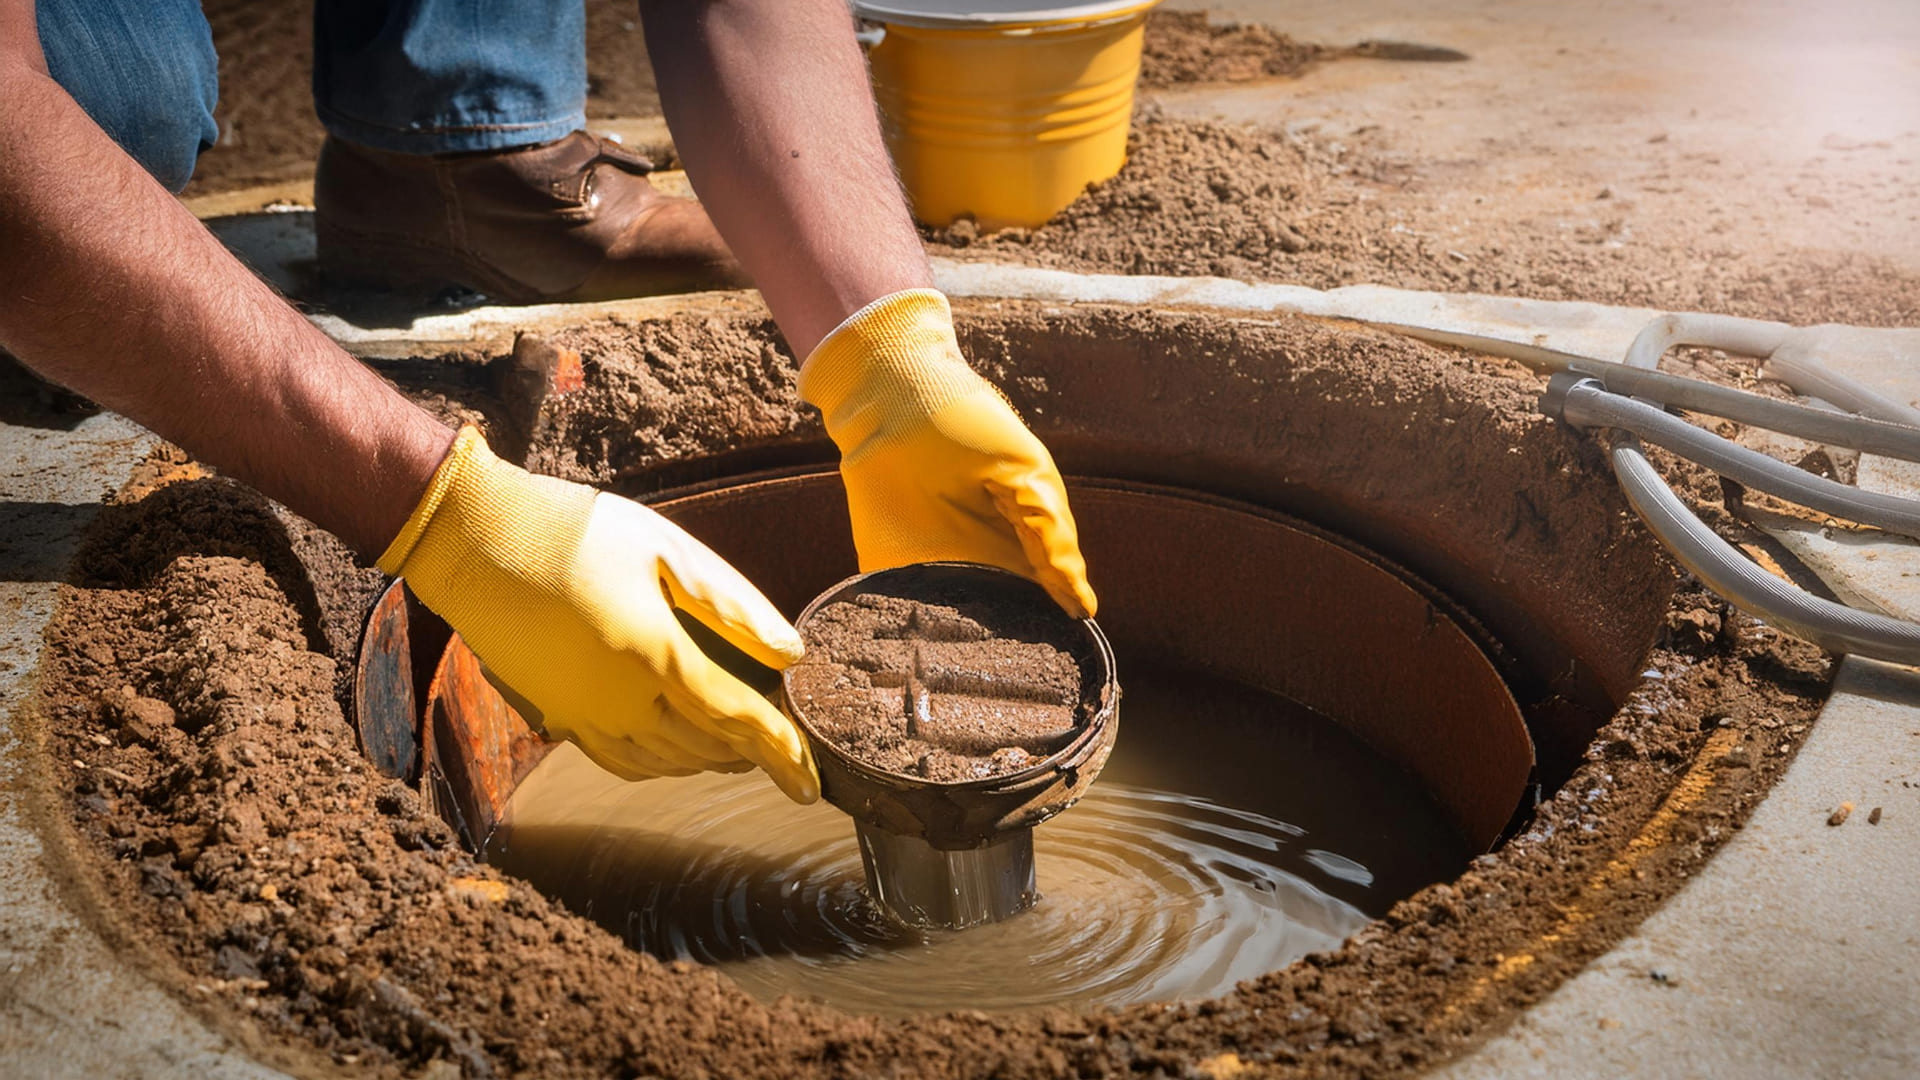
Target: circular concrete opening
{"points": [[326, 911]]}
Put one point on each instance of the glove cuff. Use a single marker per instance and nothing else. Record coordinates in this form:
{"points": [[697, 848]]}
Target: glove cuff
{"points": [[467, 446], [480, 511], [898, 356]]}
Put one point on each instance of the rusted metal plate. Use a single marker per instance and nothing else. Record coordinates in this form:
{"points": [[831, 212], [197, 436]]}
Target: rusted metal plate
{"points": [[399, 650], [386, 708], [480, 748]]}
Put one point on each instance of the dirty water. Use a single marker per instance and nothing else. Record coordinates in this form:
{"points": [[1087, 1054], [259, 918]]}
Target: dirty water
{"points": [[1232, 833]]}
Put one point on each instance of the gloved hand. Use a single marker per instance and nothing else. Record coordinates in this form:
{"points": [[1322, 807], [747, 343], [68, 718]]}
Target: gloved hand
{"points": [[567, 597], [936, 463]]}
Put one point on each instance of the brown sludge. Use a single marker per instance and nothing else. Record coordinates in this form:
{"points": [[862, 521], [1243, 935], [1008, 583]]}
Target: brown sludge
{"points": [[926, 689]]}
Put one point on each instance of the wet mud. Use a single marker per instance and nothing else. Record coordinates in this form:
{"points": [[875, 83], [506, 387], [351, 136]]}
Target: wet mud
{"points": [[222, 828], [947, 687]]}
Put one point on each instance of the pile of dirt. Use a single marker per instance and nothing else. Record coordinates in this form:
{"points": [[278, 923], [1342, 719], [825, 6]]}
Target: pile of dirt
{"points": [[230, 833], [1187, 47], [1259, 204], [944, 689], [675, 401]]}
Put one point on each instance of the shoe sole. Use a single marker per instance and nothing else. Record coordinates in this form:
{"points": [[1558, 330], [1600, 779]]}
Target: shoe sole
{"points": [[351, 257]]}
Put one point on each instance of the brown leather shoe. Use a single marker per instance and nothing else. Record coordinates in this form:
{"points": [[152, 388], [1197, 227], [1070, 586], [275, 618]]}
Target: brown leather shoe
{"points": [[574, 219]]}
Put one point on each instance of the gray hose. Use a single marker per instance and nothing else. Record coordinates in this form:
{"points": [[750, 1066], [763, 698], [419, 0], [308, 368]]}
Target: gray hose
{"points": [[1863, 433], [1747, 337], [1834, 627], [1582, 403], [1883, 434], [1788, 356], [1811, 378]]}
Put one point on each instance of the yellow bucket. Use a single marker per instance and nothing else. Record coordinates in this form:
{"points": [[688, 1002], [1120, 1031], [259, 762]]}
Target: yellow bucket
{"points": [[1005, 115]]}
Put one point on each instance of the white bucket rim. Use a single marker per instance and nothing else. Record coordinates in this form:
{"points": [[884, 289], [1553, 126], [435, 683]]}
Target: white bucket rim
{"points": [[988, 14]]}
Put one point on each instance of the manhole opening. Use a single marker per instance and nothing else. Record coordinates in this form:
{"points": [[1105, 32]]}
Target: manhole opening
{"points": [[239, 841], [1354, 723]]}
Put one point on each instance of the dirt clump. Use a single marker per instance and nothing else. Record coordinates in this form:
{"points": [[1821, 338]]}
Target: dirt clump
{"points": [[943, 691], [1187, 47], [676, 401]]}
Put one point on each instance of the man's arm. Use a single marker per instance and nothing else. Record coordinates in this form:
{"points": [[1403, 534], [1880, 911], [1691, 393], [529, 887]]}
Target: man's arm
{"points": [[770, 109], [769, 106], [109, 285]]}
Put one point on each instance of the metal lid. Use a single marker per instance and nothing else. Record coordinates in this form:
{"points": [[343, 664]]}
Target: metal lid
{"points": [[987, 14]]}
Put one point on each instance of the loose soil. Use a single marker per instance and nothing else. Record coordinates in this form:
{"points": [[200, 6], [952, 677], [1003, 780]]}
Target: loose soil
{"points": [[942, 688], [226, 830], [1259, 204], [1182, 47]]}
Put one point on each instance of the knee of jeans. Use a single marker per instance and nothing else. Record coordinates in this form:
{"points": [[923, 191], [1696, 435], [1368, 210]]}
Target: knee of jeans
{"points": [[167, 136], [151, 87]]}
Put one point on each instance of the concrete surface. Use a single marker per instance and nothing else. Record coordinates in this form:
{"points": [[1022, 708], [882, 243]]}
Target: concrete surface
{"points": [[1779, 122], [1795, 953]]}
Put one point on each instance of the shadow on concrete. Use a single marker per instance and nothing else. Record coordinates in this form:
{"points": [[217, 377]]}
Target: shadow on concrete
{"points": [[38, 539], [1883, 682], [28, 400]]}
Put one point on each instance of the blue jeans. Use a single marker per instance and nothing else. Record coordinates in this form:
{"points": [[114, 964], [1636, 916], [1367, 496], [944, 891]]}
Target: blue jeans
{"points": [[411, 76]]}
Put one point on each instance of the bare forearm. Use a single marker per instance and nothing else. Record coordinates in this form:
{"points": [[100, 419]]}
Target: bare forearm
{"points": [[109, 285], [770, 109]]}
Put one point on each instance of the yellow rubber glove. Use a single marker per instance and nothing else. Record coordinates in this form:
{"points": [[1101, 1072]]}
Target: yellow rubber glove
{"points": [[936, 463], [567, 597]]}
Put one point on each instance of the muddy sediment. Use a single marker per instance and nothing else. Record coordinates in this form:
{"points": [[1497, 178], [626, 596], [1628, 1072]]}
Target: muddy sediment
{"points": [[226, 828], [946, 688], [1174, 878]]}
